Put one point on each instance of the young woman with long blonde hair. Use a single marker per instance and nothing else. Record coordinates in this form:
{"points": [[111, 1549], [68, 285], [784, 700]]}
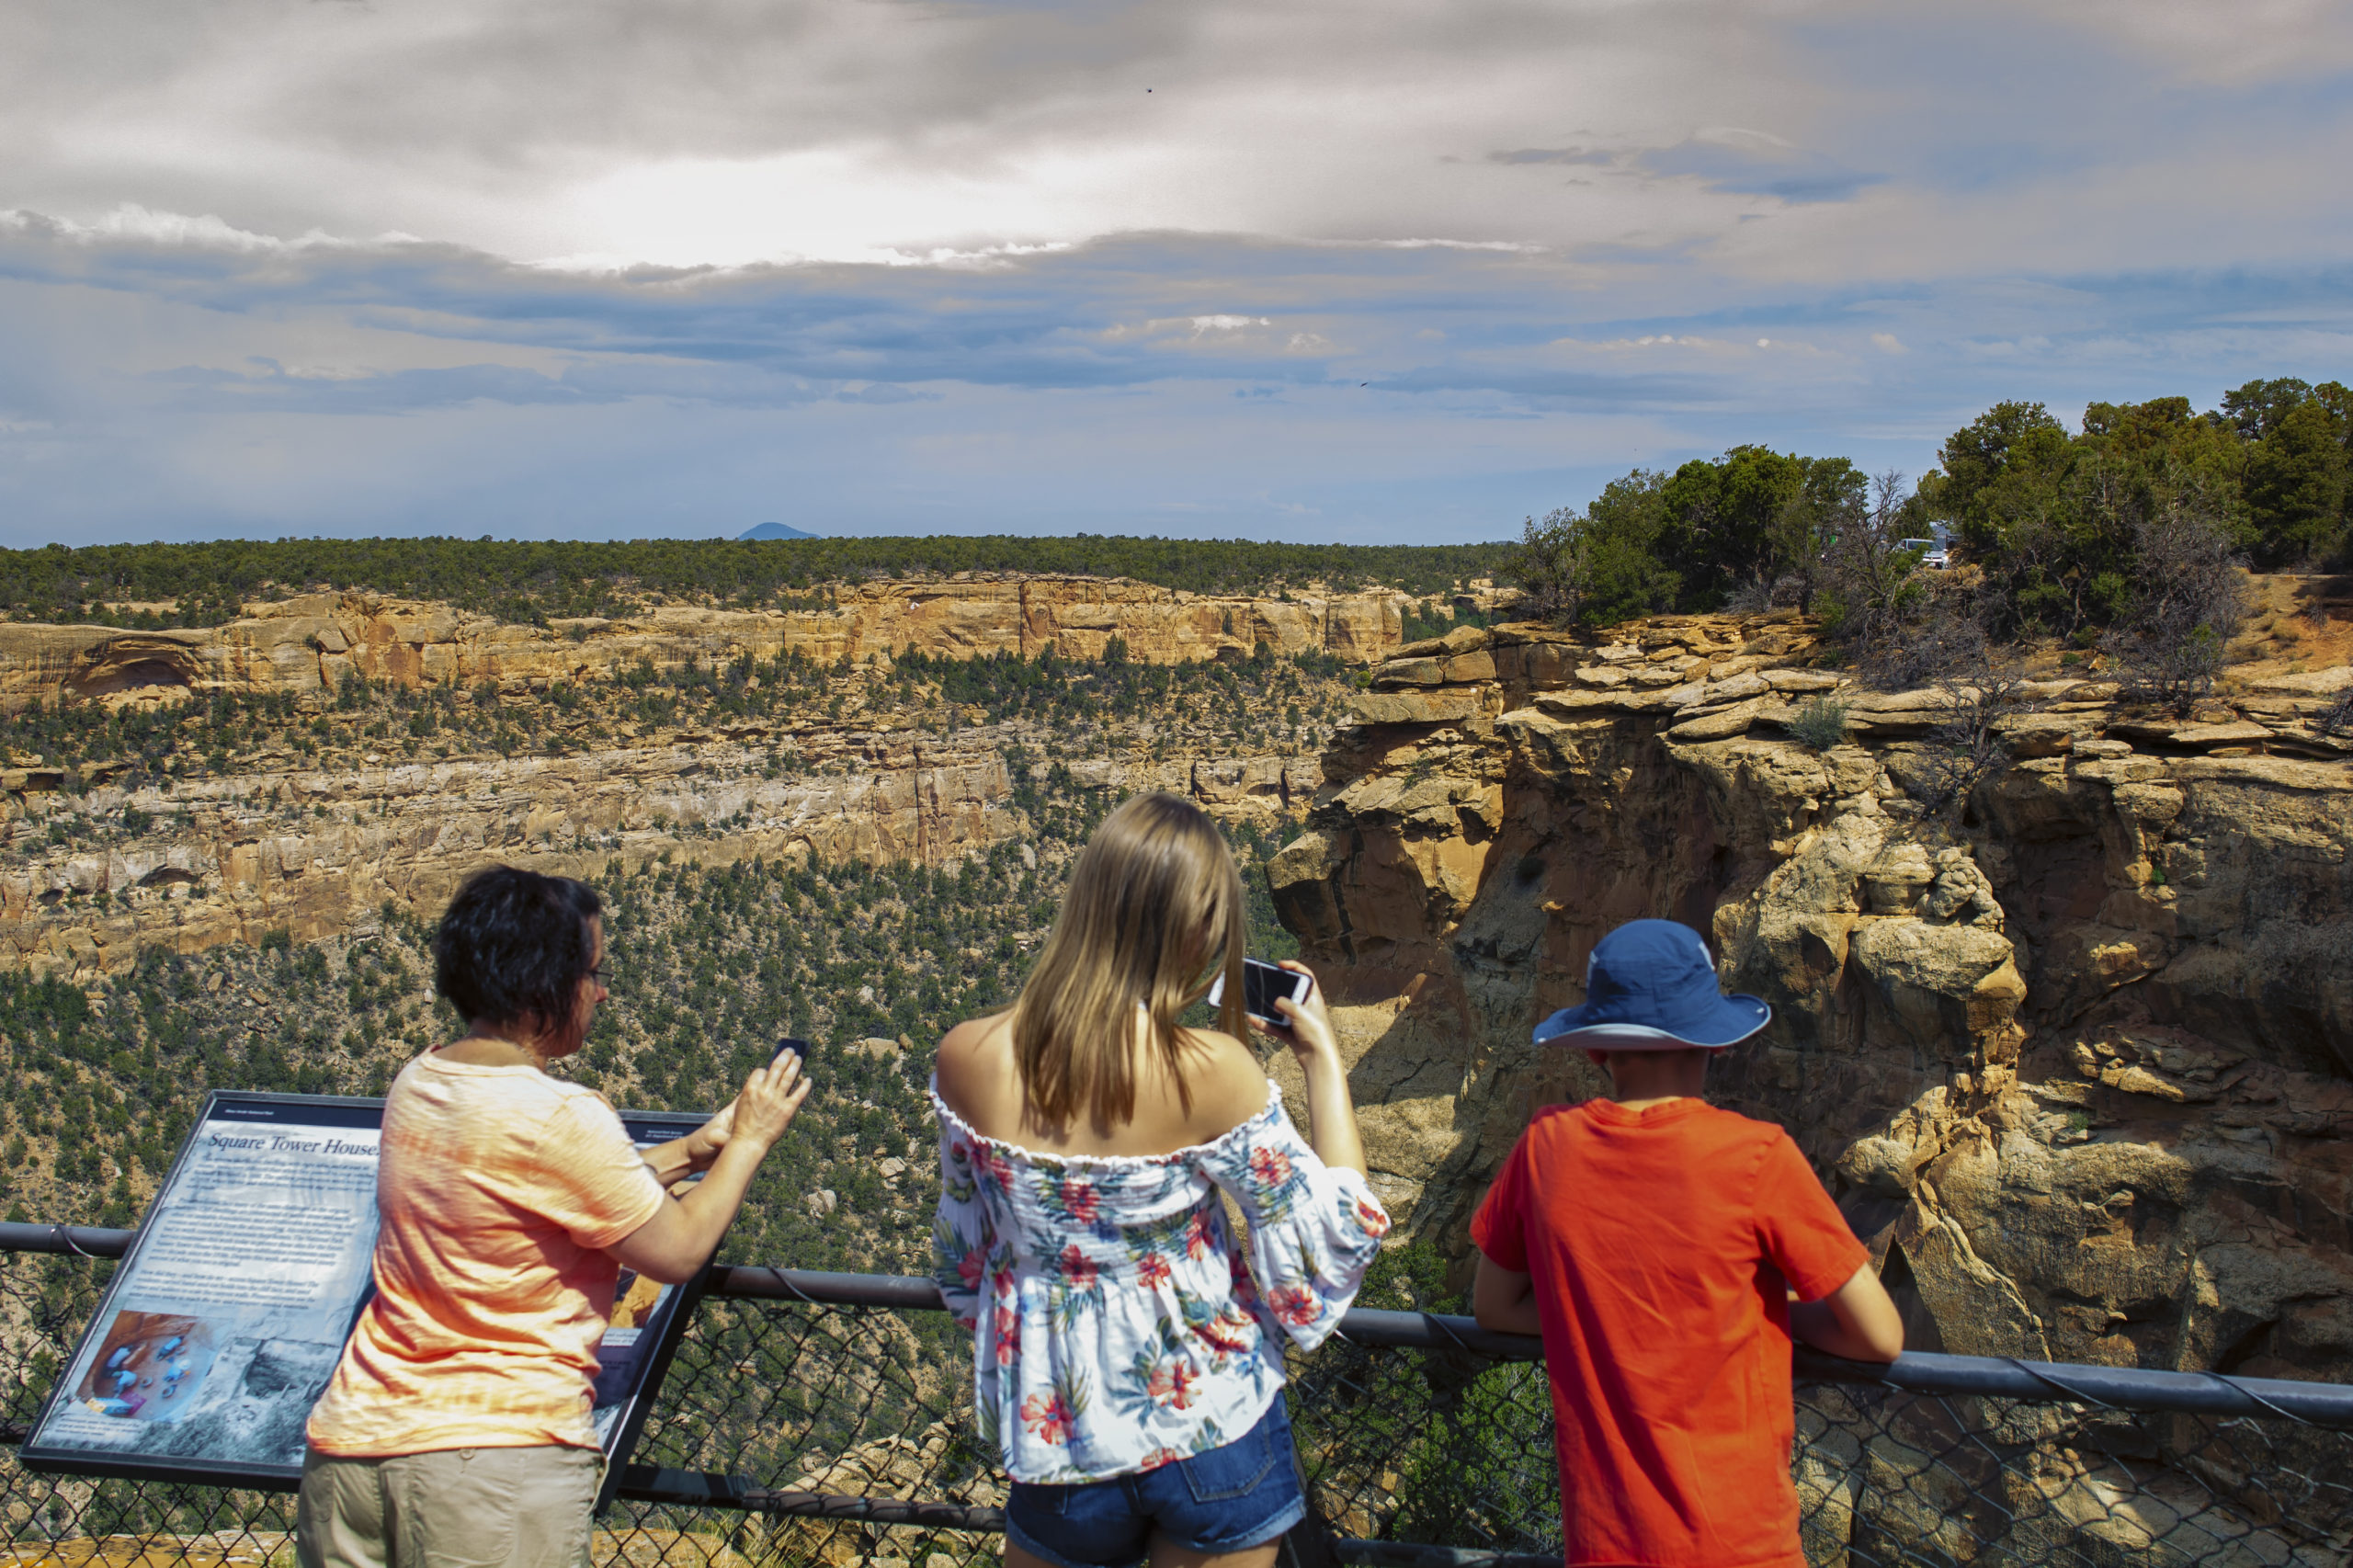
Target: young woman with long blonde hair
{"points": [[1128, 1358]]}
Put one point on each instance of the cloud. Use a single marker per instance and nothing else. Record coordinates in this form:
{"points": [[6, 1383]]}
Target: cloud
{"points": [[882, 394], [1754, 163], [132, 222], [514, 265], [743, 130], [204, 383], [1553, 156], [267, 385]]}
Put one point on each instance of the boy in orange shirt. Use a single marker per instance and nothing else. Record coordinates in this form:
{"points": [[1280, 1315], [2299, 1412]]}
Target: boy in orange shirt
{"points": [[1667, 1250]]}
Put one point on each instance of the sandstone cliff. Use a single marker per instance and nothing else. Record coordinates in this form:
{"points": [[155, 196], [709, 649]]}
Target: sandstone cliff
{"points": [[592, 742], [313, 643], [313, 850], [2079, 1064]]}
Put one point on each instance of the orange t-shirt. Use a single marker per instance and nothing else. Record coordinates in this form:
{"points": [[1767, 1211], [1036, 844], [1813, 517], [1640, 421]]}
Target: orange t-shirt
{"points": [[497, 1189], [1658, 1241]]}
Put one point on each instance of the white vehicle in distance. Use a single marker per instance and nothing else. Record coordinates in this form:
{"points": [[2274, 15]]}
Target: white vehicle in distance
{"points": [[1932, 554]]}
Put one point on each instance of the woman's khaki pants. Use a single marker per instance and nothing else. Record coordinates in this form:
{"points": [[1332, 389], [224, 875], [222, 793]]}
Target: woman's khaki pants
{"points": [[453, 1508]]}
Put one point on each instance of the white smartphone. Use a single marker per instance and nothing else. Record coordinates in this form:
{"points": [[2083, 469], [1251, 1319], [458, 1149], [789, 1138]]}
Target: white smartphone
{"points": [[1262, 984]]}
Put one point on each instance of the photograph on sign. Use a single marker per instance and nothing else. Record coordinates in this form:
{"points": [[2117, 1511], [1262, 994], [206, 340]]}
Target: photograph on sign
{"points": [[224, 1324]]}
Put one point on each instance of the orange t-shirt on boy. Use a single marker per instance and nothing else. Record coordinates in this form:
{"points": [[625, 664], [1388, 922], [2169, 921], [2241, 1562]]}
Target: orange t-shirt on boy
{"points": [[1658, 1242], [498, 1191]]}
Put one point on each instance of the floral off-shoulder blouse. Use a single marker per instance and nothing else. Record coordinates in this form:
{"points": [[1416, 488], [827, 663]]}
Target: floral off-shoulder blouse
{"points": [[1116, 1325]]}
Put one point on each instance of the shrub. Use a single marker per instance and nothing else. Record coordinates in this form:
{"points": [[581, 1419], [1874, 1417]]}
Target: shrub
{"points": [[1820, 722], [1872, 587], [1981, 684], [1599, 566], [2337, 719], [2187, 603]]}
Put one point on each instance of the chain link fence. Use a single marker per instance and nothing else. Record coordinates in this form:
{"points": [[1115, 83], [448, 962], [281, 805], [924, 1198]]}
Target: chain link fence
{"points": [[826, 1419]]}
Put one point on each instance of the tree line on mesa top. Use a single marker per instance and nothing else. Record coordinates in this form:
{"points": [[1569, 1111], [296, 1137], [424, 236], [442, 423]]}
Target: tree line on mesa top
{"points": [[533, 582], [2052, 520], [2119, 537]]}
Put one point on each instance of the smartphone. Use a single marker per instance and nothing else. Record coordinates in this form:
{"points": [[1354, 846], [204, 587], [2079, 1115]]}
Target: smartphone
{"points": [[1262, 984], [799, 1048]]}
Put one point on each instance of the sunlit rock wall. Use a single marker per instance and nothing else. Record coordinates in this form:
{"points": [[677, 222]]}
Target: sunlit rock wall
{"points": [[313, 643]]}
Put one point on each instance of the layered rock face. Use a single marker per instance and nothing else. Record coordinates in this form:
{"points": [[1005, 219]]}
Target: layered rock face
{"points": [[315, 851], [312, 847], [2078, 1062], [310, 644]]}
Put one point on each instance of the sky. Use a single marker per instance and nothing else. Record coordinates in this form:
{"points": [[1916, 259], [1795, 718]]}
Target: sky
{"points": [[1380, 272]]}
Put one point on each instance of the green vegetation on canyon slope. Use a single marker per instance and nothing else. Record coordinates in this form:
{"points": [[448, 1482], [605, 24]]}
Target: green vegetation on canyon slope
{"points": [[709, 966], [1257, 699], [103, 1078]]}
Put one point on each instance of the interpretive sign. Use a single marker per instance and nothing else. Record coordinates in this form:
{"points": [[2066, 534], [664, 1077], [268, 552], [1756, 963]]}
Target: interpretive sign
{"points": [[224, 1324]]}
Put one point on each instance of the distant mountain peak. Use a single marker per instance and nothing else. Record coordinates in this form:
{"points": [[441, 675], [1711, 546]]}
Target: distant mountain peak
{"points": [[775, 530]]}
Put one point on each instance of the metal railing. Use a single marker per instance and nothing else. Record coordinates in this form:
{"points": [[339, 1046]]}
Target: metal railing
{"points": [[826, 1419]]}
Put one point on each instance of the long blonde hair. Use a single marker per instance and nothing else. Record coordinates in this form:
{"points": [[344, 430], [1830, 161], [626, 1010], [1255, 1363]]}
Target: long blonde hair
{"points": [[1153, 912]]}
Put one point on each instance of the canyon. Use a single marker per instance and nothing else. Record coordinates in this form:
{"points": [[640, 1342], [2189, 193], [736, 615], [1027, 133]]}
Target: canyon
{"points": [[2074, 1054], [313, 851], [2075, 1051], [308, 840]]}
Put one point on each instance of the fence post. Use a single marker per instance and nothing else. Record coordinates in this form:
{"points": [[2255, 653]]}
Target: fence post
{"points": [[1307, 1544]]}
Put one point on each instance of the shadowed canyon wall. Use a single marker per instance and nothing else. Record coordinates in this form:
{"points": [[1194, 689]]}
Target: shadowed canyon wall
{"points": [[2077, 1064]]}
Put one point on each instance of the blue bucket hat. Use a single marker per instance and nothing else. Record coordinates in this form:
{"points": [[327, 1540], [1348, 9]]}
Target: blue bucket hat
{"points": [[1651, 985]]}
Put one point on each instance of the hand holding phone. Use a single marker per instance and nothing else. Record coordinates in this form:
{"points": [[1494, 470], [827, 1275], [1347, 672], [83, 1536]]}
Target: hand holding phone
{"points": [[1288, 1005], [769, 1098], [1264, 984], [705, 1143]]}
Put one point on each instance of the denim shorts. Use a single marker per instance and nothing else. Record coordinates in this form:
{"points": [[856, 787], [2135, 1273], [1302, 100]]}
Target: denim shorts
{"points": [[1228, 1499]]}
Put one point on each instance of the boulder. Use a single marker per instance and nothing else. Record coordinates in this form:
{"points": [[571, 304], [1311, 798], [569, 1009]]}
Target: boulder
{"points": [[1737, 689], [1466, 668], [1803, 681], [1414, 707], [1898, 877], [2238, 733], [1948, 985], [1408, 672], [1721, 724]]}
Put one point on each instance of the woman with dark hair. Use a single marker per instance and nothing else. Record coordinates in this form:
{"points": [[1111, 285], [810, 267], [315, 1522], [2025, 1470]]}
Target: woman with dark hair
{"points": [[1129, 1360], [457, 1429]]}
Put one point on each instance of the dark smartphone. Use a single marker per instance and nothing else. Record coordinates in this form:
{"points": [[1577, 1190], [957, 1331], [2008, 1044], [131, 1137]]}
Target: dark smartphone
{"points": [[799, 1048], [1262, 984]]}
